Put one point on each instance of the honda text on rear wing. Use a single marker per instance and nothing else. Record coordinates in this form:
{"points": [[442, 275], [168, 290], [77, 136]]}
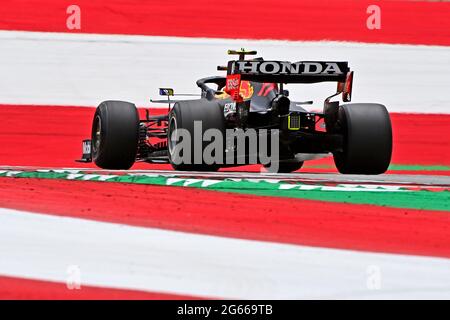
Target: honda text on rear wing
{"points": [[287, 72]]}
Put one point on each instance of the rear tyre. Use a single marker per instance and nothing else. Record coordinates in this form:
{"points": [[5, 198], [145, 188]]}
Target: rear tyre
{"points": [[182, 116], [286, 166], [367, 143], [115, 135]]}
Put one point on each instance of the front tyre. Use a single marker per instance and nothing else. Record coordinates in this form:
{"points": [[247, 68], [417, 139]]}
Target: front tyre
{"points": [[367, 139], [115, 135]]}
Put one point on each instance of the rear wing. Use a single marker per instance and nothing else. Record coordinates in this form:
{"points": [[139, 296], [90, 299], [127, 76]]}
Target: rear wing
{"points": [[282, 72], [287, 72]]}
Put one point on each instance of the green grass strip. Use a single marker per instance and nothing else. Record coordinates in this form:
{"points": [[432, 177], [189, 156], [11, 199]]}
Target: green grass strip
{"points": [[394, 167], [424, 200], [407, 167]]}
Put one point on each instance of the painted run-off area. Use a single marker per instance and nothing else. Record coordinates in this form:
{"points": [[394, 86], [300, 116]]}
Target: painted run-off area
{"points": [[84, 69], [275, 219], [386, 195], [17, 288], [48, 136], [408, 22], [129, 257]]}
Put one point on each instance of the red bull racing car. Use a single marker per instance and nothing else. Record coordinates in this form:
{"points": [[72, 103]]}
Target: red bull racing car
{"points": [[247, 106]]}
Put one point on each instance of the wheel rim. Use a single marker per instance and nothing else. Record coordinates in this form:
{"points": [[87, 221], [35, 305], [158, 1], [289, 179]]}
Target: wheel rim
{"points": [[97, 134], [172, 140]]}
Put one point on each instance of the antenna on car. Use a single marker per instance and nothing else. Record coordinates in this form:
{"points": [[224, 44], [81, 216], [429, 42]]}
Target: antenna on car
{"points": [[242, 53]]}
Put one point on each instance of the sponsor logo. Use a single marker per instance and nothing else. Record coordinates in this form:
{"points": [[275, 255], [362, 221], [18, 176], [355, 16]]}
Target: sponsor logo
{"points": [[284, 67], [246, 91], [229, 108], [233, 83]]}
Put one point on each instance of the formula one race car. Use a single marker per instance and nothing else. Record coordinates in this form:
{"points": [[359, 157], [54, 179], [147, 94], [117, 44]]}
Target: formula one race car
{"points": [[248, 107]]}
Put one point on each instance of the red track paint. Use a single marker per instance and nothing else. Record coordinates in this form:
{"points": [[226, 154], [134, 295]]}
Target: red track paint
{"points": [[51, 136], [40, 136], [419, 172], [409, 22], [306, 222], [421, 139], [25, 289]]}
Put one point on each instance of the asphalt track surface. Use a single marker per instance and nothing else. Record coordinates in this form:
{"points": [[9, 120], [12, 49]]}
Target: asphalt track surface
{"points": [[312, 177]]}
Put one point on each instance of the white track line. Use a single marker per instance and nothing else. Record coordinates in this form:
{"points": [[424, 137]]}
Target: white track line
{"points": [[43, 247], [84, 69]]}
